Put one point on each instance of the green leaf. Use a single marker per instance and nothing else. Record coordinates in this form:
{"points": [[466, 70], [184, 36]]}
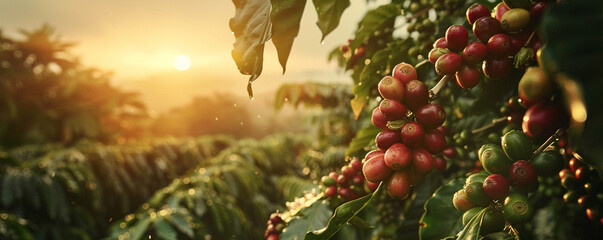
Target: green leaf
{"points": [[285, 17], [329, 13], [374, 22], [140, 228], [312, 218], [251, 27], [441, 218], [343, 215], [471, 231], [362, 139], [184, 226], [164, 229], [361, 223]]}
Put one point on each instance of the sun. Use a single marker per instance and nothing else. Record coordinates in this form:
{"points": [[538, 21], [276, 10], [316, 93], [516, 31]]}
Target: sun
{"points": [[182, 62]]}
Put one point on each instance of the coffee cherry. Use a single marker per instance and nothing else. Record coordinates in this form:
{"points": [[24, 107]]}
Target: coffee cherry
{"points": [[345, 192], [392, 109], [273, 236], [495, 161], [412, 134], [404, 72], [417, 94], [548, 163], [500, 10], [348, 172], [486, 27], [448, 63], [474, 53], [386, 138], [358, 180], [477, 11], [461, 201], [477, 196], [496, 187], [378, 119], [342, 181], [536, 11], [468, 77], [356, 164], [478, 177], [434, 141], [499, 45], [436, 53], [440, 43], [333, 175], [497, 68], [331, 191], [515, 20], [450, 152], [494, 221], [422, 160], [375, 169], [517, 41], [275, 219], [543, 119], [440, 164], [391, 88], [399, 185], [516, 145], [328, 181], [574, 164], [372, 186], [430, 116], [517, 4], [517, 209], [373, 153], [398, 156], [594, 213], [522, 173], [457, 37]]}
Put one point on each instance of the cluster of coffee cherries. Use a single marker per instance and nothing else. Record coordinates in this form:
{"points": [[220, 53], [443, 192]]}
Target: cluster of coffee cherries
{"points": [[500, 39], [584, 187], [274, 227], [409, 136], [348, 184], [505, 183]]}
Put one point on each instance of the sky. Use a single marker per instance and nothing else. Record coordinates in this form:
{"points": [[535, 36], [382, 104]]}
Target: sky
{"points": [[139, 40]]}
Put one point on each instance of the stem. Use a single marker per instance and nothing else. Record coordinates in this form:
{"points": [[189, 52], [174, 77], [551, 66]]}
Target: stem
{"points": [[529, 39], [433, 93], [494, 123], [552, 139], [419, 13]]}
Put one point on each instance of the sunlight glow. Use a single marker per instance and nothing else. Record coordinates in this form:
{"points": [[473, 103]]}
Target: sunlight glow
{"points": [[182, 62]]}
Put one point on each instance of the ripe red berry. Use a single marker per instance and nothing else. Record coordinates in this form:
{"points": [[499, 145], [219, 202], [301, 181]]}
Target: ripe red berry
{"points": [[356, 164], [372, 186], [430, 116], [457, 37], [412, 134], [517, 41], [496, 187], [448, 63], [543, 119], [486, 27], [477, 11], [440, 43], [468, 77], [499, 45], [348, 172], [440, 164], [434, 141], [497, 68], [373, 153], [378, 119], [404, 72], [417, 94], [386, 138], [445, 131], [500, 10], [449, 152], [522, 173], [275, 219], [422, 160], [474, 53], [398, 156], [331, 191], [342, 181], [536, 11], [344, 192], [392, 109], [358, 180], [391, 88], [399, 185], [273, 236], [575, 164], [375, 170]]}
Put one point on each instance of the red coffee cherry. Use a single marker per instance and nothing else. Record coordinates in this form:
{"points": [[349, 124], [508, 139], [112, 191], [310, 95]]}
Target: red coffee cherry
{"points": [[496, 187]]}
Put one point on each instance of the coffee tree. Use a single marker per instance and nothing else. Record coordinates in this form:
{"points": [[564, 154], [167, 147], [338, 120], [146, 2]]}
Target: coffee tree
{"points": [[478, 119]]}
